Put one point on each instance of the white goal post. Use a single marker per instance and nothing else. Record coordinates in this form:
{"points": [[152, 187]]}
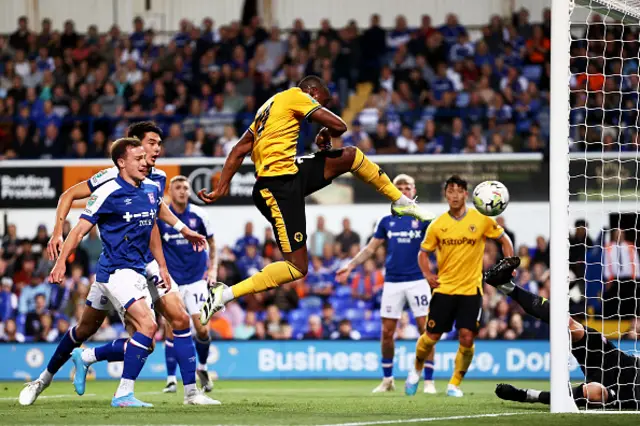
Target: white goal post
{"points": [[594, 143]]}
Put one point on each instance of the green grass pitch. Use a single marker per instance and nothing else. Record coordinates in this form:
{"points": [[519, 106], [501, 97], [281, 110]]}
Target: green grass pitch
{"points": [[288, 402]]}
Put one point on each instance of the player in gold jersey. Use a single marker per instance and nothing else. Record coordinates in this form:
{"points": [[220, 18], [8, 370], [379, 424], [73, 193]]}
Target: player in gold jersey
{"points": [[283, 181], [458, 238]]}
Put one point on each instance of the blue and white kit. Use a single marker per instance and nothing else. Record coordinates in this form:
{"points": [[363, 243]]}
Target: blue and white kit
{"points": [[152, 269], [187, 267], [404, 281], [125, 215]]}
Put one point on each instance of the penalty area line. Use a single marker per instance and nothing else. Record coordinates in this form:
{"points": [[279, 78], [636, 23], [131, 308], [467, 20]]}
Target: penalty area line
{"points": [[424, 419]]}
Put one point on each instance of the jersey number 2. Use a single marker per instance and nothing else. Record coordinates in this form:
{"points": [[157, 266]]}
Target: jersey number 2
{"points": [[261, 120]]}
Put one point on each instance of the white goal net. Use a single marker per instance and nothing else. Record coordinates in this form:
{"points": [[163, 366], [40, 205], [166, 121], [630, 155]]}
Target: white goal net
{"points": [[603, 169]]}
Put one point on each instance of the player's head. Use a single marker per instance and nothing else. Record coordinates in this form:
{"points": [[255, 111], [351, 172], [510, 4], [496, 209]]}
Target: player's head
{"points": [[179, 190], [455, 191], [151, 137], [406, 184], [129, 157], [316, 88]]}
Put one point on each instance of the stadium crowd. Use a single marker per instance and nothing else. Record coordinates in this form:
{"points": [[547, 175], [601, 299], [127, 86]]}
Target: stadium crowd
{"points": [[436, 90], [69, 94], [316, 307]]}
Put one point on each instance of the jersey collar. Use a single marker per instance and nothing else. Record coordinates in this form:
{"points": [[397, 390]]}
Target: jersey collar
{"points": [[126, 184], [466, 210]]}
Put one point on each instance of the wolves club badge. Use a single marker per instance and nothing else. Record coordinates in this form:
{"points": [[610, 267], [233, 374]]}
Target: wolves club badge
{"points": [[472, 228], [151, 197]]}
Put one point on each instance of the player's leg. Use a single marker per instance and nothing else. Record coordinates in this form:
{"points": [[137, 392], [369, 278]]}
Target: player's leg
{"points": [[92, 317], [439, 320], [418, 296], [391, 306], [468, 313], [594, 394], [352, 159], [170, 359], [281, 202], [193, 296]]}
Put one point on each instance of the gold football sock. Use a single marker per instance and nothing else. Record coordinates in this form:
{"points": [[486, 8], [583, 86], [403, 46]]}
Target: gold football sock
{"points": [[271, 276], [463, 361], [369, 172], [423, 349]]}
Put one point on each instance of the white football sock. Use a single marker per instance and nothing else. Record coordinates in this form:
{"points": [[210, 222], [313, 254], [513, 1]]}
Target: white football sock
{"points": [[171, 379], [202, 367], [189, 389], [125, 387], [46, 377], [413, 377], [227, 295], [533, 395], [89, 356]]}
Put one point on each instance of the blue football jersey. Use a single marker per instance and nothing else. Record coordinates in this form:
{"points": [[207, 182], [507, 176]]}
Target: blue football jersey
{"points": [[107, 175], [186, 266], [125, 215], [403, 235]]}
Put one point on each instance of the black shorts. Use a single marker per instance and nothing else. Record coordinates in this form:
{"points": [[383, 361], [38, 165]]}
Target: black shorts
{"points": [[444, 309], [280, 199]]}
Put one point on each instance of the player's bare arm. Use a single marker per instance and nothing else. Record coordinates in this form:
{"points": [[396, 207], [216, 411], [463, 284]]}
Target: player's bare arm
{"points": [[426, 267], [507, 245], [76, 235], [334, 127], [212, 274], [367, 252], [166, 215], [76, 192], [230, 168], [155, 245]]}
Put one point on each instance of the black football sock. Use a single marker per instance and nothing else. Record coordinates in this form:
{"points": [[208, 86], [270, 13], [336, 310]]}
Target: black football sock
{"points": [[532, 304]]}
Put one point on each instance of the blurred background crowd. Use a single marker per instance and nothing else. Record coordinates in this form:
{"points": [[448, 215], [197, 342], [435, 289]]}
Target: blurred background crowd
{"points": [[433, 89]]}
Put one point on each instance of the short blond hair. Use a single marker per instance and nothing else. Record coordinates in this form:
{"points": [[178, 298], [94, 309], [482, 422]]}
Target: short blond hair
{"points": [[179, 178], [403, 179]]}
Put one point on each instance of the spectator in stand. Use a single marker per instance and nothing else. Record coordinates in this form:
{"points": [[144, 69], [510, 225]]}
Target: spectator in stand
{"points": [[541, 253], [406, 330], [314, 329], [348, 237], [319, 238], [274, 323], [285, 297], [319, 280], [246, 239], [621, 266], [11, 334], [345, 331], [251, 263], [93, 247], [247, 329], [329, 321], [579, 244], [367, 282], [8, 300]]}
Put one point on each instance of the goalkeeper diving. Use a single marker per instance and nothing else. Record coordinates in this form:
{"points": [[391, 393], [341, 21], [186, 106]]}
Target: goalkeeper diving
{"points": [[612, 378]]}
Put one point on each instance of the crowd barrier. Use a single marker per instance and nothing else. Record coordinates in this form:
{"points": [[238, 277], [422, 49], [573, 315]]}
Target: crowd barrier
{"points": [[230, 360]]}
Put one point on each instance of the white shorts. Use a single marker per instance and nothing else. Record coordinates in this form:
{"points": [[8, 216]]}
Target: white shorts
{"points": [[394, 295], [193, 295], [125, 286], [154, 280]]}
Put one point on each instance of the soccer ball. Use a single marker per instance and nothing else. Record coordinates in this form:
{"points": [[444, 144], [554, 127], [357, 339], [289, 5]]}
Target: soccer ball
{"points": [[491, 197]]}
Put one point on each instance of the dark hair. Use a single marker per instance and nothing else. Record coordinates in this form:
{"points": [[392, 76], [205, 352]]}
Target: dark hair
{"points": [[456, 180], [311, 81], [141, 128], [119, 148]]}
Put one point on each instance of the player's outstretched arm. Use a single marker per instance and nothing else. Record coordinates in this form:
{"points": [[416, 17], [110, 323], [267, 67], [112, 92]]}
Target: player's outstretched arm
{"points": [[76, 235], [212, 274], [367, 251], [333, 124], [230, 168], [166, 215], [76, 192], [155, 245], [507, 245]]}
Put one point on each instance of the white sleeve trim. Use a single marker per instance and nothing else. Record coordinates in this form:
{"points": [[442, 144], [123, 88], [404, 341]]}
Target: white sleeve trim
{"points": [[202, 214], [99, 196], [103, 176]]}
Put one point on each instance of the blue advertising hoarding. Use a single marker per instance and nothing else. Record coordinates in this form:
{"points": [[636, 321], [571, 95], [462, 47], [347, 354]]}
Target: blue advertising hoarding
{"points": [[310, 359]]}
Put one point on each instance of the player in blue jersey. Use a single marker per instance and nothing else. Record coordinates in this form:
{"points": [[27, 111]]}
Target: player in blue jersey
{"points": [[125, 211], [404, 282], [166, 301], [190, 272]]}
